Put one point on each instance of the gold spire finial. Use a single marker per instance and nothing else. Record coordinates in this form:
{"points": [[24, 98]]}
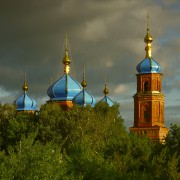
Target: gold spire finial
{"points": [[25, 86], [66, 60], [148, 40], [148, 19], [84, 83], [106, 91]]}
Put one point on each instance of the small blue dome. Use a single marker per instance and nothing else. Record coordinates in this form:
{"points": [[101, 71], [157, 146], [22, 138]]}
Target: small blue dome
{"points": [[84, 98], [25, 103], [148, 65], [107, 100], [64, 89]]}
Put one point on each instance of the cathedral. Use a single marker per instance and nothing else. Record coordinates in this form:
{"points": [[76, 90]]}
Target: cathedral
{"points": [[66, 91], [148, 100]]}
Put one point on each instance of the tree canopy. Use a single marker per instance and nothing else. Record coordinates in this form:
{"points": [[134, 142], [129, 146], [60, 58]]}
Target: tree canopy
{"points": [[81, 143]]}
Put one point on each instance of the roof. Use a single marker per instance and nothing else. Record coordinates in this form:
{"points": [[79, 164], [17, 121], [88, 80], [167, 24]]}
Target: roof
{"points": [[148, 65], [107, 100], [84, 98], [64, 89], [25, 103]]}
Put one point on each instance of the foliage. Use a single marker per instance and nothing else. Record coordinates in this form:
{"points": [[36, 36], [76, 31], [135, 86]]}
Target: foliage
{"points": [[7, 113], [173, 139], [33, 161], [81, 143]]}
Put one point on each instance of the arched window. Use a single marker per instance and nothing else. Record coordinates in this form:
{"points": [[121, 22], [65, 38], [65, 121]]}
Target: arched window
{"points": [[146, 86], [146, 114]]}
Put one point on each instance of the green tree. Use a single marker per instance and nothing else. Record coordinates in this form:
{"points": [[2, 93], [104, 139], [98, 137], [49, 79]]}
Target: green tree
{"points": [[7, 113], [81, 143], [173, 139], [18, 127], [32, 160], [49, 123]]}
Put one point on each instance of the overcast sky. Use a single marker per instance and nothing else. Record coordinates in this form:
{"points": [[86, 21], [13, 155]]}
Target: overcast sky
{"points": [[105, 35]]}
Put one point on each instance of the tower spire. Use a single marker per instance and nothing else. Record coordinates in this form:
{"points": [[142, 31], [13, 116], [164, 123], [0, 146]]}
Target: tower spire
{"points": [[66, 60], [148, 40], [106, 91], [84, 83], [25, 86]]}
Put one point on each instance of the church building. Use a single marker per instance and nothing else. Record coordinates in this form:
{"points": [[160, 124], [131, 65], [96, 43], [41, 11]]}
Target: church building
{"points": [[149, 99], [67, 91]]}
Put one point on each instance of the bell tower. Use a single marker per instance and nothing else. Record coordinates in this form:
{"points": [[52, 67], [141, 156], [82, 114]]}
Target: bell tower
{"points": [[149, 99]]}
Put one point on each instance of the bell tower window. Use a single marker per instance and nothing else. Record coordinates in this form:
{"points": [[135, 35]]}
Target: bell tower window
{"points": [[146, 114], [146, 86]]}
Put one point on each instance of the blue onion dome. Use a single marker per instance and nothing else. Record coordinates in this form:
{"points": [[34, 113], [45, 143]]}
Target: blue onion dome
{"points": [[25, 102], [106, 99], [148, 65], [66, 87], [84, 98]]}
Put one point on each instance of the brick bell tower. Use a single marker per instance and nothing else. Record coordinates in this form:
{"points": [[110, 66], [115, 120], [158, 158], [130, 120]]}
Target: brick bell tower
{"points": [[149, 99]]}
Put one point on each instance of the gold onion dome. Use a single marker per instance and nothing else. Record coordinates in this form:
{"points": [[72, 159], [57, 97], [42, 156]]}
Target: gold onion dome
{"points": [[148, 38], [84, 83], [106, 91], [25, 87]]}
